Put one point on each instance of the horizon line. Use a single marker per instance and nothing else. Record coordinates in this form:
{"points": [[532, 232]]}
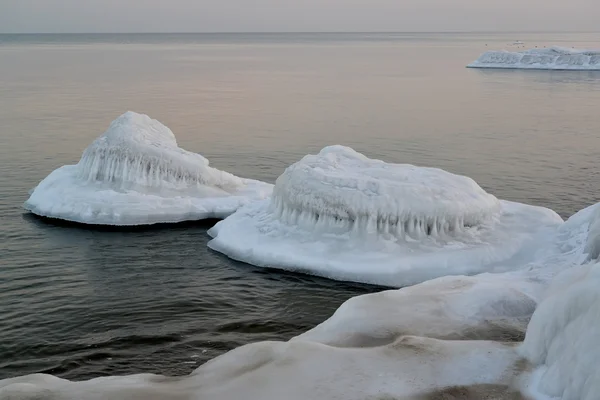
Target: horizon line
{"points": [[284, 32]]}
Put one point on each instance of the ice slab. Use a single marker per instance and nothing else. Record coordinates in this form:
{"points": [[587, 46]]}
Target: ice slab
{"points": [[343, 216], [135, 174], [555, 58]]}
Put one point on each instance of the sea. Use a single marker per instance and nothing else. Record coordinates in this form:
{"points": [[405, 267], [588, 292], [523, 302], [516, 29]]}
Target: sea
{"points": [[80, 303]]}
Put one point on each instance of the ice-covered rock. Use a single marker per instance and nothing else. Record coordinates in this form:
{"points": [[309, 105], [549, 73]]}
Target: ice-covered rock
{"points": [[563, 334], [557, 58], [135, 174], [343, 216], [340, 189]]}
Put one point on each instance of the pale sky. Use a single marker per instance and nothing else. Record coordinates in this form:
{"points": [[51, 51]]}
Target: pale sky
{"points": [[297, 15]]}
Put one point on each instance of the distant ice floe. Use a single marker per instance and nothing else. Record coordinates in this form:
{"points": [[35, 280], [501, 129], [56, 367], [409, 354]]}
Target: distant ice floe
{"points": [[341, 215], [135, 174], [454, 337], [555, 58]]}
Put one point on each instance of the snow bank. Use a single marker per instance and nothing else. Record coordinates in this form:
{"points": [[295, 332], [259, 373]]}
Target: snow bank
{"points": [[343, 216], [557, 58], [135, 174]]}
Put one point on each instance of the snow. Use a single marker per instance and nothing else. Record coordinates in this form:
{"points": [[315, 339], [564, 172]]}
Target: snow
{"points": [[340, 188], [343, 216], [135, 174], [562, 338], [556, 58], [487, 306]]}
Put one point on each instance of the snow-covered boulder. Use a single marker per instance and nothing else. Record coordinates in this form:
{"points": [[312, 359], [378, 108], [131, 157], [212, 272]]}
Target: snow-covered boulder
{"points": [[343, 216], [135, 174]]}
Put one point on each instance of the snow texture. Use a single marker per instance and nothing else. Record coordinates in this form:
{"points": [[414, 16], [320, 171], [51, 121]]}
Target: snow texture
{"points": [[340, 189], [343, 216], [555, 58], [563, 334], [135, 174], [487, 306]]}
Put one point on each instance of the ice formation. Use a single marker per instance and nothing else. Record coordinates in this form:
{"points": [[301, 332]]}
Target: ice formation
{"points": [[563, 334], [340, 189], [135, 174], [489, 306], [486, 306], [557, 58], [341, 215]]}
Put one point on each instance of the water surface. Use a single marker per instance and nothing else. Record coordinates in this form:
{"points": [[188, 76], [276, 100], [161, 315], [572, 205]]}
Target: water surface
{"points": [[81, 303]]}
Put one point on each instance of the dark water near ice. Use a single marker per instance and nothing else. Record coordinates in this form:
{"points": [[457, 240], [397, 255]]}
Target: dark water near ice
{"points": [[81, 303]]}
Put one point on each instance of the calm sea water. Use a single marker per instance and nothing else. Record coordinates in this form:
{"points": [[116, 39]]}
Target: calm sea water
{"points": [[81, 303]]}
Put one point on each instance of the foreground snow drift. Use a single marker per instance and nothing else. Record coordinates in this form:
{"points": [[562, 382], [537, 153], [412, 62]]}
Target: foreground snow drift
{"points": [[135, 174], [414, 343], [343, 216], [557, 58]]}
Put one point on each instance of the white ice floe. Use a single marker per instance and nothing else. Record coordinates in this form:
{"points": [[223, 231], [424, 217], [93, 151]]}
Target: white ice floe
{"points": [[135, 174], [343, 216], [557, 58]]}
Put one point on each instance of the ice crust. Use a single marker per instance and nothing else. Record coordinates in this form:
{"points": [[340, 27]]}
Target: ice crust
{"points": [[342, 190], [135, 174], [563, 334], [556, 58], [343, 216]]}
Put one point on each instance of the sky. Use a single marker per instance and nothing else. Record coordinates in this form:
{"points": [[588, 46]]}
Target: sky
{"points": [[62, 16]]}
